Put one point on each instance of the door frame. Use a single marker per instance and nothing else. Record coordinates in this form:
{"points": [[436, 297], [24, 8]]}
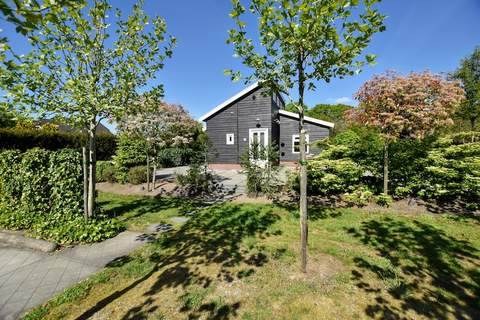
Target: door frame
{"points": [[251, 131]]}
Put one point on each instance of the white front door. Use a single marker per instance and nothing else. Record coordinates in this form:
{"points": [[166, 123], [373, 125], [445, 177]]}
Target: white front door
{"points": [[258, 142]]}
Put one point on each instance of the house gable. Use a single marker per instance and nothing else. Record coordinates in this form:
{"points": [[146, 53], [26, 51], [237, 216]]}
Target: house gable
{"points": [[232, 119], [229, 101], [229, 125]]}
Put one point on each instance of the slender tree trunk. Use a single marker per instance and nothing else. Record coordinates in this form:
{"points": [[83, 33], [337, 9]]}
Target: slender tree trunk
{"points": [[148, 173], [473, 123], [154, 168], [92, 167], [303, 169], [154, 178], [85, 181], [385, 168]]}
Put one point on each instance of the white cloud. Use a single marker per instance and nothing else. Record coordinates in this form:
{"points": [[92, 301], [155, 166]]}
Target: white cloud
{"points": [[342, 100]]}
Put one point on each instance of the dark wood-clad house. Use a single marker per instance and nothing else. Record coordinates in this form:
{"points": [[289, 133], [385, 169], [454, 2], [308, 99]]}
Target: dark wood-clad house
{"points": [[251, 115]]}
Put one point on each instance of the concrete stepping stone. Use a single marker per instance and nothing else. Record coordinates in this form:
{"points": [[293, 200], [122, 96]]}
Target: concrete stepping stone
{"points": [[179, 219]]}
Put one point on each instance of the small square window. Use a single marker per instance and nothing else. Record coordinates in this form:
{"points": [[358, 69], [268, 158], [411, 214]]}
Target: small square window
{"points": [[230, 138], [296, 143]]}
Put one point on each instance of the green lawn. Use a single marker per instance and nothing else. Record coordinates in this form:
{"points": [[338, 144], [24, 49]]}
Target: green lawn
{"points": [[240, 261], [138, 212]]}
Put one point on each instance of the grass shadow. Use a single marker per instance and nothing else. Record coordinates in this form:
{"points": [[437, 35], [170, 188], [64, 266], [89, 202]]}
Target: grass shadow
{"points": [[314, 211], [213, 236], [129, 209], [426, 271]]}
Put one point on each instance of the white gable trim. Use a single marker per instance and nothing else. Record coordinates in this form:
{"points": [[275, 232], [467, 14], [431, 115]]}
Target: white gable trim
{"points": [[308, 119], [229, 101]]}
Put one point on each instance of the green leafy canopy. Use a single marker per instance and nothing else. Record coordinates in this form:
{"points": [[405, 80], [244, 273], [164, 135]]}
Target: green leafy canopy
{"points": [[322, 38], [25, 15], [469, 74], [84, 64]]}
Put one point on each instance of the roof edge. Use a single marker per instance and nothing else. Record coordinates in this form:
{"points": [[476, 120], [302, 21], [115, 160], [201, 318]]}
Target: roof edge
{"points": [[308, 119], [224, 104]]}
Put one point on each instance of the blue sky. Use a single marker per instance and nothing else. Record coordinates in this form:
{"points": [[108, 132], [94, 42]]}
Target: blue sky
{"points": [[420, 35]]}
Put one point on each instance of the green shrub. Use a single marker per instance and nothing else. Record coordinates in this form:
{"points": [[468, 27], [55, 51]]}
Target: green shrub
{"points": [[35, 178], [446, 168], [105, 171], [25, 139], [329, 177], [106, 146], [358, 144], [174, 157], [42, 192], [137, 175], [78, 229], [451, 170], [10, 180], [359, 197], [262, 178], [66, 180], [383, 200], [198, 180], [131, 152]]}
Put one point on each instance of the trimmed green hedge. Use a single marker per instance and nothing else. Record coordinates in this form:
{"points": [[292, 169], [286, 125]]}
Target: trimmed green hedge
{"points": [[42, 192], [132, 152], [23, 140]]}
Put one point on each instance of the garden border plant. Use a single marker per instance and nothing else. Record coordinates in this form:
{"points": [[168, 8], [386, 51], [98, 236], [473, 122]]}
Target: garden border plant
{"points": [[262, 179], [24, 139], [43, 194]]}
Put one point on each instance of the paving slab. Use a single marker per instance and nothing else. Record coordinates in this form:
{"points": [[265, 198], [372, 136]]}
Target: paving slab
{"points": [[179, 219], [28, 278]]}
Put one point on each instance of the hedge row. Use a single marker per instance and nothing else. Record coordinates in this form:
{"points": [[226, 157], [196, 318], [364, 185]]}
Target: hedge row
{"points": [[132, 152], [42, 193], [24, 139]]}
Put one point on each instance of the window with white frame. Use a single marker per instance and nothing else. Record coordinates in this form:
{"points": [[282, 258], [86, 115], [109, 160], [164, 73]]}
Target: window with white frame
{"points": [[230, 138], [296, 143]]}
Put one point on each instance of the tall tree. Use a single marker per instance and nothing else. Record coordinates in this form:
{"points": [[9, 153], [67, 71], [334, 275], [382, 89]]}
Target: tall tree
{"points": [[469, 74], [329, 112], [6, 119], [400, 107], [303, 42], [165, 125], [85, 70]]}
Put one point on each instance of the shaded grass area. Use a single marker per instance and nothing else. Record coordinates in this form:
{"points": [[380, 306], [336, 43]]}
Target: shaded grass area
{"points": [[239, 261], [137, 212]]}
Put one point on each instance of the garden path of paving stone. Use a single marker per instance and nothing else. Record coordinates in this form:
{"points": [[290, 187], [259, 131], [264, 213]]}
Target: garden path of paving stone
{"points": [[28, 278]]}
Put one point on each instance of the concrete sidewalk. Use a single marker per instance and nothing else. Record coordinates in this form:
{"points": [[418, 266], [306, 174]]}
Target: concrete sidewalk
{"points": [[28, 278]]}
